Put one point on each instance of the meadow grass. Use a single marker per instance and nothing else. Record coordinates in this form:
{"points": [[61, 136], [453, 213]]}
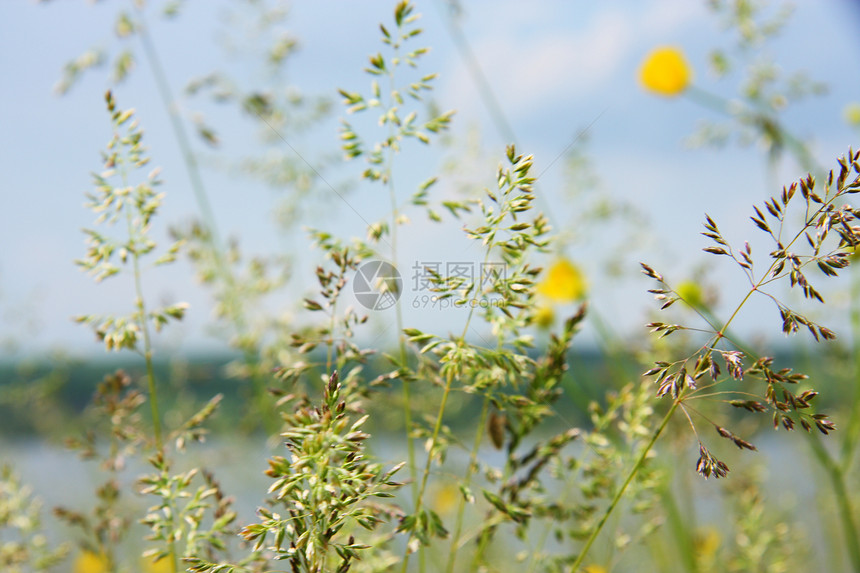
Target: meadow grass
{"points": [[514, 454]]}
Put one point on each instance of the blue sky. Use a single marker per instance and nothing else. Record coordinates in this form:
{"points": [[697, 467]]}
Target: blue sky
{"points": [[554, 67]]}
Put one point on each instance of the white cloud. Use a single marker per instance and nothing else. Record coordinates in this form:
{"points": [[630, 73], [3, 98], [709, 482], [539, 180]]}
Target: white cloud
{"points": [[663, 17], [543, 66], [543, 56]]}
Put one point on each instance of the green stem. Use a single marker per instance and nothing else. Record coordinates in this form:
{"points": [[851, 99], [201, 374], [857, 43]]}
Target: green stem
{"points": [[407, 413], [833, 469], [150, 376], [407, 398], [620, 493], [721, 105], [706, 99], [250, 355], [853, 431], [726, 333], [437, 427], [485, 90], [483, 543], [843, 500], [147, 355], [467, 480], [719, 335], [144, 329], [419, 501], [836, 471], [537, 552], [329, 356], [681, 529], [182, 139], [401, 339], [568, 486], [489, 99], [153, 395], [478, 560]]}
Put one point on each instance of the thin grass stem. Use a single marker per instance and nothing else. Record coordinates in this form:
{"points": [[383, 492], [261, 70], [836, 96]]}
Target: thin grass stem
{"points": [[150, 370], [843, 499], [467, 481], [620, 493], [213, 240]]}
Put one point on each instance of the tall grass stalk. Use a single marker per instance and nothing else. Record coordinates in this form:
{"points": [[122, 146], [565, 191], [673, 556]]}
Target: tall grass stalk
{"points": [[852, 432], [466, 485], [138, 203], [152, 388], [398, 308], [844, 505], [147, 344], [620, 493], [437, 426], [212, 236], [811, 220]]}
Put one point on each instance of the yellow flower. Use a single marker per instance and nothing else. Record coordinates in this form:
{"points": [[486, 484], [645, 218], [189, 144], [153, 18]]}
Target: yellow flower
{"points": [[544, 316], [852, 114], [161, 566], [706, 542], [564, 282], [444, 499], [89, 562], [596, 569], [692, 293], [666, 72]]}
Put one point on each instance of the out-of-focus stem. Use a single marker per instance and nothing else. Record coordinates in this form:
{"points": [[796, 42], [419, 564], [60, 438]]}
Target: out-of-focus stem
{"points": [[843, 499], [213, 240], [467, 481], [620, 493]]}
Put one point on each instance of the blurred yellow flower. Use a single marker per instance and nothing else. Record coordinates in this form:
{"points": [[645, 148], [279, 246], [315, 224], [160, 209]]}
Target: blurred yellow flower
{"points": [[666, 72], [444, 498], [692, 293], [161, 566], [596, 569], [564, 282], [89, 562], [706, 542], [544, 316], [852, 114]]}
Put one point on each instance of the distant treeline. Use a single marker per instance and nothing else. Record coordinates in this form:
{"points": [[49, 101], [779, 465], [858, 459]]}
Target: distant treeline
{"points": [[34, 392]]}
